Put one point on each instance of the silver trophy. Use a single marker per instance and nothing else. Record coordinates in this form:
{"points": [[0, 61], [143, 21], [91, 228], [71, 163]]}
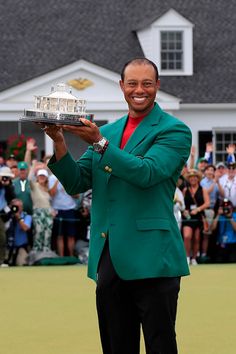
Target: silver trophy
{"points": [[59, 107]]}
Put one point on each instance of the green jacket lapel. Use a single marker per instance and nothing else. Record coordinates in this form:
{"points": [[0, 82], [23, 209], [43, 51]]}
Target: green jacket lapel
{"points": [[116, 133], [144, 128]]}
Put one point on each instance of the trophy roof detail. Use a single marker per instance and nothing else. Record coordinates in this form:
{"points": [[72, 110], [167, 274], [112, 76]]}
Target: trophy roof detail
{"points": [[61, 92]]}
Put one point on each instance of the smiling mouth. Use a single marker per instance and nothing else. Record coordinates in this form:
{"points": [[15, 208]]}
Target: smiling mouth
{"points": [[139, 99]]}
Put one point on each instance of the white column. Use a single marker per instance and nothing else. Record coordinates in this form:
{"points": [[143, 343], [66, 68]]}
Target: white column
{"points": [[48, 145]]}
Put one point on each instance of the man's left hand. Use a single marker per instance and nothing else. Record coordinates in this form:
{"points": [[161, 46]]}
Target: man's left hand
{"points": [[88, 132]]}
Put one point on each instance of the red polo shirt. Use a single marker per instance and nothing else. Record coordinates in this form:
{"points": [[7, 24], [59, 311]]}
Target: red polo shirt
{"points": [[130, 127]]}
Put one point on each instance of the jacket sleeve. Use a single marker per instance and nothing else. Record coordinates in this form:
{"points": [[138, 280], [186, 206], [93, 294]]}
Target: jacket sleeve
{"points": [[75, 176]]}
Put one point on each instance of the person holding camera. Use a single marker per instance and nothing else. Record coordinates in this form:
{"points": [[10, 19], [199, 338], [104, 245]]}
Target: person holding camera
{"points": [[17, 236], [225, 224], [6, 195]]}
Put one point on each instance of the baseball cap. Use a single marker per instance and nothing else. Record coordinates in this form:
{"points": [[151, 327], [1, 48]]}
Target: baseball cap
{"points": [[42, 172], [202, 159], [6, 172], [22, 165], [220, 164]]}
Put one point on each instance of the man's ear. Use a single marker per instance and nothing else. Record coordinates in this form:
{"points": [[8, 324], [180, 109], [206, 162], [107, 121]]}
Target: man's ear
{"points": [[121, 85]]}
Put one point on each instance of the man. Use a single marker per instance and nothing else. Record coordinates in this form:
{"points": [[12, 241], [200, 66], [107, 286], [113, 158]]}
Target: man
{"points": [[6, 195], [64, 223], [225, 223], [136, 251], [211, 183], [22, 187], [228, 183], [17, 236]]}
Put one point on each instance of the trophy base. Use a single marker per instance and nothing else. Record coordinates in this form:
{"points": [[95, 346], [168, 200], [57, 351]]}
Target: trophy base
{"points": [[55, 117]]}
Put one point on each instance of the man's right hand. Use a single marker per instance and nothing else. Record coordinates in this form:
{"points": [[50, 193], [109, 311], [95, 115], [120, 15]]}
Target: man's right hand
{"points": [[55, 132]]}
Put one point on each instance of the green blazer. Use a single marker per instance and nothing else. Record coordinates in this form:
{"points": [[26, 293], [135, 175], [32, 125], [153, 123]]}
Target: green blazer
{"points": [[133, 191]]}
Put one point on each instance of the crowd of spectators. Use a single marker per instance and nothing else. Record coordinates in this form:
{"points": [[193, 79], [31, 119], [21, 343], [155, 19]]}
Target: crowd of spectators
{"points": [[205, 207], [38, 219]]}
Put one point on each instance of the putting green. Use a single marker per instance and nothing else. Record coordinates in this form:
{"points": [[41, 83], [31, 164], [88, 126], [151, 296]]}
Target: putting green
{"points": [[51, 310]]}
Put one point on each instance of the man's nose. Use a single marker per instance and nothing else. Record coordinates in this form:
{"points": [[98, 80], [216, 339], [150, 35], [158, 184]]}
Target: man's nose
{"points": [[139, 88]]}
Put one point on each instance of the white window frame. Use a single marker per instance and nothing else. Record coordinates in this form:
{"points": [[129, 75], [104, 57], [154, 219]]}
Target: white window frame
{"points": [[225, 142], [150, 41]]}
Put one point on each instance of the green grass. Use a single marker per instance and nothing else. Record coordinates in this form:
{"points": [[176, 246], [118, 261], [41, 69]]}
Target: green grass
{"points": [[51, 310]]}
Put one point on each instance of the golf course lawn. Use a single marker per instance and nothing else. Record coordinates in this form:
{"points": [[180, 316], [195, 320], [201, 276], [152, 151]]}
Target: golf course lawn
{"points": [[51, 310]]}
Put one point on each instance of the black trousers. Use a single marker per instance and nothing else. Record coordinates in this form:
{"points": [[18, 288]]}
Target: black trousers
{"points": [[124, 306]]}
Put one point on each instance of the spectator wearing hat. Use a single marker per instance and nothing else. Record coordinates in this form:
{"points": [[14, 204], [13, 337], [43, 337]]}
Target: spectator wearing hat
{"points": [[196, 201], [201, 165], [17, 235], [203, 161], [11, 162], [220, 169], [228, 183], [6, 195], [42, 211], [22, 187]]}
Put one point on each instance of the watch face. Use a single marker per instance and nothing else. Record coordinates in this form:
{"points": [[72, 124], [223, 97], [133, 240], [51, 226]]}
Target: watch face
{"points": [[99, 145]]}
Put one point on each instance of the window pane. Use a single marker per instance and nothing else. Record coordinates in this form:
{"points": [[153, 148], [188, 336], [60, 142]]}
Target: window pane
{"points": [[178, 36], [163, 56], [163, 36], [164, 65], [163, 45], [222, 140], [171, 50], [178, 65]]}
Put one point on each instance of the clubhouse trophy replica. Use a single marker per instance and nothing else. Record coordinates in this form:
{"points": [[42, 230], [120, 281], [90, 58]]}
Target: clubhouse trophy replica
{"points": [[59, 107]]}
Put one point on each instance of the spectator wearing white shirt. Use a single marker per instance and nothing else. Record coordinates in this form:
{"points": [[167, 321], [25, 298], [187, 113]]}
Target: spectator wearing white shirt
{"points": [[64, 225]]}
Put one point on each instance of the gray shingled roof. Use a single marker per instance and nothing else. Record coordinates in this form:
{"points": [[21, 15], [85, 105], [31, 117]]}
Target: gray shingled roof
{"points": [[40, 36]]}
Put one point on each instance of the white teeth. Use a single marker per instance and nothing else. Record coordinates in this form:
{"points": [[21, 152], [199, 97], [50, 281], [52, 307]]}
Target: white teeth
{"points": [[139, 99]]}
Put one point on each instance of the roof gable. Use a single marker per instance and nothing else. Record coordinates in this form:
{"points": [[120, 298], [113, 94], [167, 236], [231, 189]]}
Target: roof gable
{"points": [[104, 93]]}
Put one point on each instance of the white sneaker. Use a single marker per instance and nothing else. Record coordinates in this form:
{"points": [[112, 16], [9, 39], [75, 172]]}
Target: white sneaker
{"points": [[194, 262], [4, 265]]}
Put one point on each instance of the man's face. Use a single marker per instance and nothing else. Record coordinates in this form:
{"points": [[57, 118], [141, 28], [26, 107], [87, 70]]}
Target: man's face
{"points": [[231, 171], [139, 87], [23, 173], [210, 172]]}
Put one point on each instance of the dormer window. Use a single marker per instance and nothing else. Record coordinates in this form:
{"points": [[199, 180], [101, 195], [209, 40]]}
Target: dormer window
{"points": [[169, 43], [171, 50]]}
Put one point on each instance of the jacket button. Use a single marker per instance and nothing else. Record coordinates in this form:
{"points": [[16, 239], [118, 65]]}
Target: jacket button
{"points": [[107, 168], [110, 170], [103, 234]]}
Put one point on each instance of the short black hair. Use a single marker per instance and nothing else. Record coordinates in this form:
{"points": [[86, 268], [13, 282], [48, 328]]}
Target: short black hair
{"points": [[139, 61]]}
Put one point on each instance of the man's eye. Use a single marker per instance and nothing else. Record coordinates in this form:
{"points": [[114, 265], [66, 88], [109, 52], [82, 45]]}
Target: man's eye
{"points": [[147, 84]]}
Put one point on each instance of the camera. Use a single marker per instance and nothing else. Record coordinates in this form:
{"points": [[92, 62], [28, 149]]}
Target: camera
{"points": [[5, 178], [14, 209], [226, 206]]}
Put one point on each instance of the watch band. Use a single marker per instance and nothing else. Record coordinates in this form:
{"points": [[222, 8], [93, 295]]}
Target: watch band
{"points": [[101, 145]]}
